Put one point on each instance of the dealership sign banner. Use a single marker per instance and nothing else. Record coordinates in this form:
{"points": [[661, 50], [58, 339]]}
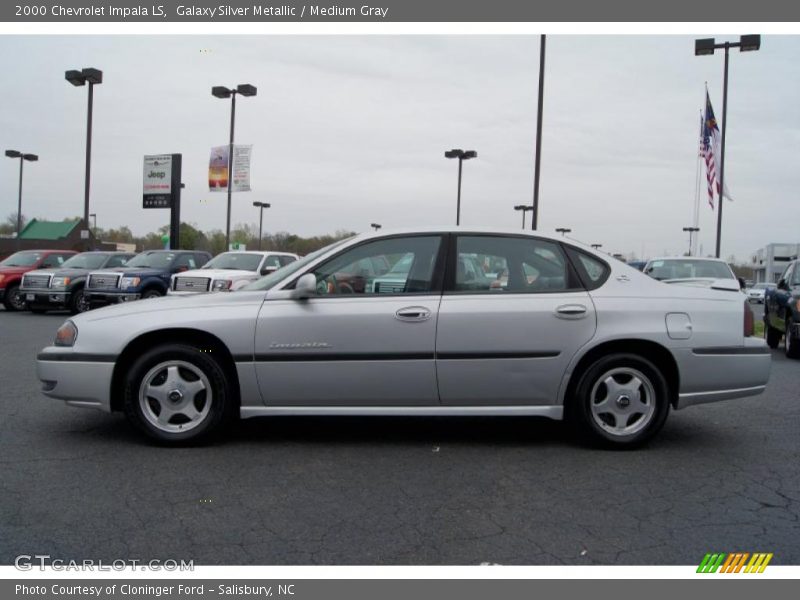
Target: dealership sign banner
{"points": [[218, 176], [157, 181]]}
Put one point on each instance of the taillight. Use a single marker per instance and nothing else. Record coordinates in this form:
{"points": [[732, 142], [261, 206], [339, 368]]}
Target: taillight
{"points": [[749, 324]]}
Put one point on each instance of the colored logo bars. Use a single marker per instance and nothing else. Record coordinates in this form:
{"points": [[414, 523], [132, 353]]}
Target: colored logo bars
{"points": [[735, 563]]}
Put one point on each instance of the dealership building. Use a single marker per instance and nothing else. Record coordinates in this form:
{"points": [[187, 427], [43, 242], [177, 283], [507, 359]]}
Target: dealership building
{"points": [[771, 260]]}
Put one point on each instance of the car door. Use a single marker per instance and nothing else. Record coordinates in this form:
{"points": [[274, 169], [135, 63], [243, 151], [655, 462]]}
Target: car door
{"points": [[355, 348], [781, 297], [508, 340]]}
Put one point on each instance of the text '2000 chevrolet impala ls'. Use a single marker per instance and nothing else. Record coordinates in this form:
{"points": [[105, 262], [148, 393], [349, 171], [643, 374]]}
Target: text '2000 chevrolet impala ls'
{"points": [[549, 328]]}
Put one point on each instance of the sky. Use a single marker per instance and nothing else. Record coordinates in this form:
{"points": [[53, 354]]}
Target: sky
{"points": [[351, 130]]}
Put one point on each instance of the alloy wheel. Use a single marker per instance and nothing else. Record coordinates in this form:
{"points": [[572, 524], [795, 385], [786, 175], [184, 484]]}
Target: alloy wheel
{"points": [[622, 401], [175, 396]]}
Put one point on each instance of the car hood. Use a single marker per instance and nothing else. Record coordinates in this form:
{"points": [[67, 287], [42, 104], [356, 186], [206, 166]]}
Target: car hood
{"points": [[66, 272], [168, 303], [15, 270], [219, 273], [134, 271]]}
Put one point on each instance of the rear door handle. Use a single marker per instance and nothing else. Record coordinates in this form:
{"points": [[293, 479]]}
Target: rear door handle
{"points": [[571, 311], [413, 314]]}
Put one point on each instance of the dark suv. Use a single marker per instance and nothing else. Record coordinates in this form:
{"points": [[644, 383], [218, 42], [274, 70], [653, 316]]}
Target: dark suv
{"points": [[782, 311], [146, 275], [63, 288]]}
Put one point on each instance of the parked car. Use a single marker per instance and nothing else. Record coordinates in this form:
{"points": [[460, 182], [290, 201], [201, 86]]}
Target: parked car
{"points": [[638, 264], [782, 311], [611, 350], [757, 291], [63, 288], [147, 275], [15, 266], [229, 271], [690, 270]]}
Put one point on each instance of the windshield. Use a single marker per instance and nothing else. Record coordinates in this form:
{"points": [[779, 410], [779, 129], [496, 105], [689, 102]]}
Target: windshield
{"points": [[235, 260], [268, 282], [87, 260], [22, 259], [687, 269], [153, 260]]}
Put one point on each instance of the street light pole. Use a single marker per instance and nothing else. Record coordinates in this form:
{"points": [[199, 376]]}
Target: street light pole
{"points": [[22, 158], [245, 89], [77, 78], [597, 246], [563, 231], [375, 226], [706, 46], [538, 158], [261, 206], [461, 155], [524, 209], [691, 231]]}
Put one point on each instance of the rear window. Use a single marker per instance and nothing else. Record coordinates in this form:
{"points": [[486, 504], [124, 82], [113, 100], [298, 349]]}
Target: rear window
{"points": [[687, 269]]}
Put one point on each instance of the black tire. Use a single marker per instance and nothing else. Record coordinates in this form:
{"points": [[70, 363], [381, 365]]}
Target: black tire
{"points": [[151, 293], [78, 302], [772, 335], [142, 414], [13, 300], [637, 430], [792, 343]]}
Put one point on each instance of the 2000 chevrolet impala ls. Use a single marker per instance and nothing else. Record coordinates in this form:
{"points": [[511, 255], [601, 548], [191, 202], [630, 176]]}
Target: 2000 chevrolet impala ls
{"points": [[484, 323]]}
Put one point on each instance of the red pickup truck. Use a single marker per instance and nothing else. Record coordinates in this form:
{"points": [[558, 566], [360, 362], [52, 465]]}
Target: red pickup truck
{"points": [[15, 266]]}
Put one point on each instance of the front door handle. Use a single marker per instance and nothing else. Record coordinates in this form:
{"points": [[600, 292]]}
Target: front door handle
{"points": [[413, 314], [571, 311]]}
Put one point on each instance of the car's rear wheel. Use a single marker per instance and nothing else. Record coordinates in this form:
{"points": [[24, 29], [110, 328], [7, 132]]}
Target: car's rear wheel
{"points": [[621, 401], [178, 394], [772, 335], [14, 300], [792, 341]]}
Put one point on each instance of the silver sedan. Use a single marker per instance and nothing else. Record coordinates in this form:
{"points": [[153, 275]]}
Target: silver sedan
{"points": [[550, 328]]}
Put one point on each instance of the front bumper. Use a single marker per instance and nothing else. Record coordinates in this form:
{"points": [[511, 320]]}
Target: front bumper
{"points": [[111, 298], [715, 374], [78, 379], [40, 297]]}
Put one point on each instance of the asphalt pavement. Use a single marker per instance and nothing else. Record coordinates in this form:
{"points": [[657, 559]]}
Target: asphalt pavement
{"points": [[79, 484]]}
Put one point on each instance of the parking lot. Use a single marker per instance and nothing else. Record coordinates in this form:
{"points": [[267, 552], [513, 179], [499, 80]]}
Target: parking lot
{"points": [[81, 484]]}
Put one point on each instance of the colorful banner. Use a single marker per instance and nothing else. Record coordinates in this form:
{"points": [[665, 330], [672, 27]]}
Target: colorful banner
{"points": [[218, 168]]}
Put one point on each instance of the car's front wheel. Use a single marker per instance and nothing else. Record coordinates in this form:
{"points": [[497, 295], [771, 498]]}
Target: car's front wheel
{"points": [[178, 394], [14, 299], [792, 341], [621, 401], [79, 302]]}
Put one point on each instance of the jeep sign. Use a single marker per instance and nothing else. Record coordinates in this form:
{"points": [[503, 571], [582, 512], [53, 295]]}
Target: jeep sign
{"points": [[157, 182]]}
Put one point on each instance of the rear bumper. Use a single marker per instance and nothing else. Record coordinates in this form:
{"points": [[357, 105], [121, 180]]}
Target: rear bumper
{"points": [[724, 373], [78, 380]]}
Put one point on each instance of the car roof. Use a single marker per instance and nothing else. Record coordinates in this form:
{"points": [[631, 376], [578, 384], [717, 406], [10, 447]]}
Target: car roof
{"points": [[257, 252], [688, 258]]}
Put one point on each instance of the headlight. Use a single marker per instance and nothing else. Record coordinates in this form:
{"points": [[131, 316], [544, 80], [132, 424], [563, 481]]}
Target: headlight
{"points": [[60, 282], [66, 334], [127, 282], [221, 285]]}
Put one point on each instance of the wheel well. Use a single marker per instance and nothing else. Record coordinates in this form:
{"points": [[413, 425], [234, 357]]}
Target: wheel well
{"points": [[652, 351], [153, 285], [195, 337]]}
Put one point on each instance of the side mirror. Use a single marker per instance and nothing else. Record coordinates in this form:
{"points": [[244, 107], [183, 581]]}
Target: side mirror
{"points": [[742, 284], [268, 270], [305, 287]]}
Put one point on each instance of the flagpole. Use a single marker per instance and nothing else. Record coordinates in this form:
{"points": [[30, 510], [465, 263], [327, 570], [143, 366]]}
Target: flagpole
{"points": [[698, 170]]}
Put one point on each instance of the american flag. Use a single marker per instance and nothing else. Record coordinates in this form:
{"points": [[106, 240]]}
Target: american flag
{"points": [[710, 151]]}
